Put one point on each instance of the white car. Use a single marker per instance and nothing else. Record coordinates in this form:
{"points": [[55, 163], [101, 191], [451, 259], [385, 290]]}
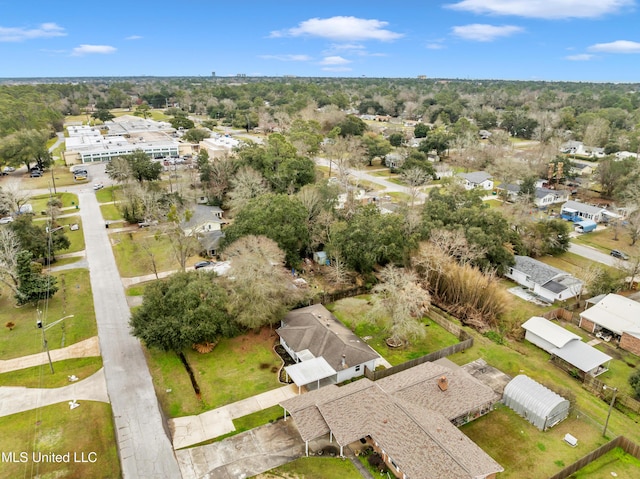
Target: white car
{"points": [[8, 169], [6, 220], [98, 186]]}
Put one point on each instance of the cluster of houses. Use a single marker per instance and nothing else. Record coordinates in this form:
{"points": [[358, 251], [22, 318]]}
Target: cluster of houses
{"points": [[411, 417]]}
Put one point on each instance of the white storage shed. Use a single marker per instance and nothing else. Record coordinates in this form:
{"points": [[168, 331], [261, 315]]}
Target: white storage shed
{"points": [[537, 404]]}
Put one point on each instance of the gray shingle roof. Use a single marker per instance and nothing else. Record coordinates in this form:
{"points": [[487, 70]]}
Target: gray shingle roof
{"points": [[539, 272], [576, 205], [476, 177], [316, 329]]}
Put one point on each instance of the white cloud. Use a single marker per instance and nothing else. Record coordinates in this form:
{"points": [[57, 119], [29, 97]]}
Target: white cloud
{"points": [[342, 29], [337, 69], [16, 34], [485, 33], [554, 9], [287, 58], [334, 60], [90, 49], [619, 46], [133, 37], [580, 57]]}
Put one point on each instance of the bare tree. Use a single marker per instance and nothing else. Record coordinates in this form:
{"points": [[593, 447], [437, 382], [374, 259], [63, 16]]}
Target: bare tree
{"points": [[247, 184], [184, 243], [399, 303], [345, 153], [9, 249], [14, 196], [415, 178], [632, 226], [261, 290]]}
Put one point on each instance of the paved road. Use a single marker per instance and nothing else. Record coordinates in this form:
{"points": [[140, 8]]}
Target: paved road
{"points": [[594, 255], [387, 186], [143, 444]]}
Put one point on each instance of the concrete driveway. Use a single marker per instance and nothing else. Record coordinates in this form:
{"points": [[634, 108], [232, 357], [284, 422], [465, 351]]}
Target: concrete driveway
{"points": [[244, 455]]}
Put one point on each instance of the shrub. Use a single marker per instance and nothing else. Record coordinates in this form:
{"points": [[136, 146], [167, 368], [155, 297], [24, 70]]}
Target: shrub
{"points": [[634, 381]]}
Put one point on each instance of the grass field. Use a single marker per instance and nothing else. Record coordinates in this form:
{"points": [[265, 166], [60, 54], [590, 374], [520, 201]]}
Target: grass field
{"points": [[132, 260], [108, 194], [236, 369], [351, 312], [603, 240], [39, 202], [59, 430], [573, 263], [110, 212], [616, 461], [73, 297], [41, 377], [527, 453], [314, 468]]}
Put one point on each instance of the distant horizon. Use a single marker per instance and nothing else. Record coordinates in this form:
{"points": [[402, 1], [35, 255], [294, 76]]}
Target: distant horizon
{"points": [[584, 41]]}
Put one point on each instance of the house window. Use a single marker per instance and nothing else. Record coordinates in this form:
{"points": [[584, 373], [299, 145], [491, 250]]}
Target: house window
{"points": [[357, 368]]}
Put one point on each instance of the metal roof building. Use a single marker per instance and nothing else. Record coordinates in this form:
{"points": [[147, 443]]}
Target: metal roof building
{"points": [[537, 404], [547, 335]]}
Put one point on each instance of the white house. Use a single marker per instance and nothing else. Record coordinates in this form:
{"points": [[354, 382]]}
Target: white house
{"points": [[325, 351], [575, 210], [549, 283], [543, 197], [206, 224], [477, 179], [616, 315], [565, 345]]}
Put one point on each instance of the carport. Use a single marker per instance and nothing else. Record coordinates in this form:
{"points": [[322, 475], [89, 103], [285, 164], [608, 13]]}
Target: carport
{"points": [[310, 372]]}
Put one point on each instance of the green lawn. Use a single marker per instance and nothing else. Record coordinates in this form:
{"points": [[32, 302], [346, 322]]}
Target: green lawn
{"points": [[62, 177], [108, 194], [236, 369], [39, 202], [73, 297], [110, 212], [59, 430], [132, 260], [315, 468], [616, 461], [517, 310], [76, 238], [573, 263], [524, 451], [603, 240], [351, 312], [41, 377]]}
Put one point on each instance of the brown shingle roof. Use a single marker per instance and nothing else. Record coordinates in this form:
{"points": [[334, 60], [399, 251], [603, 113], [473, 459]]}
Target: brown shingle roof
{"points": [[420, 440], [419, 385], [316, 329]]}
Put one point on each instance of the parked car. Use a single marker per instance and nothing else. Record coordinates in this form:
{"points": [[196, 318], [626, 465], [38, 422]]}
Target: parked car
{"points": [[8, 169], [36, 173], [203, 264], [98, 186], [147, 223], [619, 254], [6, 220]]}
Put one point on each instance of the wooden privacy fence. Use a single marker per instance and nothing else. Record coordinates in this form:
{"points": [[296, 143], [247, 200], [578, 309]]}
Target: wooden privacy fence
{"points": [[596, 386], [628, 446], [559, 313], [466, 341]]}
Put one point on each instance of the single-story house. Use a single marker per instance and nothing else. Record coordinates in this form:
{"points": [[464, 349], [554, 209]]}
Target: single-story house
{"points": [[621, 155], [578, 148], [549, 283], [407, 418], [325, 350], [615, 315], [565, 346], [543, 197], [477, 179], [537, 404], [575, 211], [582, 169]]}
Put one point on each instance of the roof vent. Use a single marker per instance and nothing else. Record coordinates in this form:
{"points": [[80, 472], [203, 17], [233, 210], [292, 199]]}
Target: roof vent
{"points": [[443, 384]]}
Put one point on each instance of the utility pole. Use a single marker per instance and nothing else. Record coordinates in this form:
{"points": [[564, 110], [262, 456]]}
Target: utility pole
{"points": [[45, 345]]}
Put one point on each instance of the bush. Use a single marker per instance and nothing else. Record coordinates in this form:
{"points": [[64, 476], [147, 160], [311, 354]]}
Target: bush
{"points": [[634, 381]]}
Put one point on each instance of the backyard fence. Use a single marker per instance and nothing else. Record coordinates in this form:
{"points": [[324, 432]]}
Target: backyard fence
{"points": [[466, 341], [627, 446], [559, 313], [596, 386], [324, 298]]}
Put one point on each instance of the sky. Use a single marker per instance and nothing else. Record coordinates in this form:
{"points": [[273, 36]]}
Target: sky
{"points": [[565, 40]]}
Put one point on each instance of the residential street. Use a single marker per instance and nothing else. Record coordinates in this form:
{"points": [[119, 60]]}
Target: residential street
{"points": [[143, 443], [594, 255]]}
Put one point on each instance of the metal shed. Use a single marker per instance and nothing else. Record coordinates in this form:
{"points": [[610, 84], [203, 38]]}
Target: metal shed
{"points": [[537, 404]]}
